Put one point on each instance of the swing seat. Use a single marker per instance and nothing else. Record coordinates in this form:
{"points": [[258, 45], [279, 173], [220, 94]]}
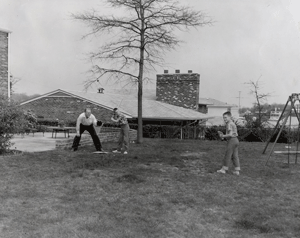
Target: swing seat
{"points": [[286, 152]]}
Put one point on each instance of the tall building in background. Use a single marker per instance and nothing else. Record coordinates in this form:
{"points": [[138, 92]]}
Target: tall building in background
{"points": [[4, 63]]}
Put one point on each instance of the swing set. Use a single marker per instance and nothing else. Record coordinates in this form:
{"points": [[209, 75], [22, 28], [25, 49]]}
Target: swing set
{"points": [[285, 116]]}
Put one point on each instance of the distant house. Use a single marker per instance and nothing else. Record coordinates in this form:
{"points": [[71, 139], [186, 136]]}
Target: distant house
{"points": [[4, 63], [215, 107], [292, 121]]}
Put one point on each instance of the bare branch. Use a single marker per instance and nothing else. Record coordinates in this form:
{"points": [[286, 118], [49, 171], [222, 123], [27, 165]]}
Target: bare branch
{"points": [[260, 98], [160, 18], [144, 35]]}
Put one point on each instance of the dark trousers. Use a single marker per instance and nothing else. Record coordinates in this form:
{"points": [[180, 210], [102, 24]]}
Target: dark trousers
{"points": [[93, 134]]}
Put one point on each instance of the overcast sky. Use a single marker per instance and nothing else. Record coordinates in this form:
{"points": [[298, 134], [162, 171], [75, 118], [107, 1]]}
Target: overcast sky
{"points": [[250, 39]]}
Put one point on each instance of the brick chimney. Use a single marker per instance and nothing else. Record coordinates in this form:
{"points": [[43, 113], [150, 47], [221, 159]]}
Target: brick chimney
{"points": [[179, 89], [5, 81]]}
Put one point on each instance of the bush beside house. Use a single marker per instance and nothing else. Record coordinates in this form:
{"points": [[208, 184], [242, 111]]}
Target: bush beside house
{"points": [[12, 120]]}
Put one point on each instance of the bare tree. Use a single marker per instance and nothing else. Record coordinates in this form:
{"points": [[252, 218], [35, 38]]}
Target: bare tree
{"points": [[140, 39], [260, 100], [13, 82]]}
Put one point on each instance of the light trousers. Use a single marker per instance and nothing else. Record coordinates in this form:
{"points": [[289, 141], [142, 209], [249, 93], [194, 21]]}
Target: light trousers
{"points": [[124, 137], [232, 153]]}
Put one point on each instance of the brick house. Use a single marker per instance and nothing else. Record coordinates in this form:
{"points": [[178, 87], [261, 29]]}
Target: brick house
{"points": [[4, 63], [66, 105], [176, 100]]}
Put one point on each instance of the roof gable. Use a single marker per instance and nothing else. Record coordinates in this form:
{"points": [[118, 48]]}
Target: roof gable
{"points": [[4, 30], [59, 94], [62, 93], [127, 104]]}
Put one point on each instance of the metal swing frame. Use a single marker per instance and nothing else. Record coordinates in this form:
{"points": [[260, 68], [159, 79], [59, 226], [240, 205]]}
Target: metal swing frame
{"points": [[292, 99]]}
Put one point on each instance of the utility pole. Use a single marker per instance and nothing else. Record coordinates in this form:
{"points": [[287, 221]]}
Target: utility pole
{"points": [[239, 97]]}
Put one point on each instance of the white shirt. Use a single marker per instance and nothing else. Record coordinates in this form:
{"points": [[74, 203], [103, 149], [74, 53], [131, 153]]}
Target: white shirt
{"points": [[85, 121]]}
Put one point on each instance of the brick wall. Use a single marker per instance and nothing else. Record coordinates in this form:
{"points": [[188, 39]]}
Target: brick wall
{"points": [[65, 108], [178, 89], [3, 63], [106, 135]]}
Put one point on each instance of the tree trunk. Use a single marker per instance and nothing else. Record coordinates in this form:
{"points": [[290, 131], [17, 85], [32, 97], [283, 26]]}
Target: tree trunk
{"points": [[140, 81], [140, 110]]}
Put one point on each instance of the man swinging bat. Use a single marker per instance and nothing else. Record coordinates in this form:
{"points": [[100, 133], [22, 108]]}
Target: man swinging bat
{"points": [[87, 121]]}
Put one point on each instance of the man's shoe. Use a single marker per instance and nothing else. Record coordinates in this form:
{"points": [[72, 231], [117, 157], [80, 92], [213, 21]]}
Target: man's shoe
{"points": [[221, 171], [116, 151], [236, 172], [125, 152]]}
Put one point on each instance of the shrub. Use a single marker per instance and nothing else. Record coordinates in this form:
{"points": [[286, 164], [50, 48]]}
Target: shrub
{"points": [[12, 120], [47, 122], [211, 133], [31, 119]]}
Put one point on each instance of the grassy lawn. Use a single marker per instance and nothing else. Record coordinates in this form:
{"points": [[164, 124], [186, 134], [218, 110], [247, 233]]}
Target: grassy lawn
{"points": [[162, 188]]}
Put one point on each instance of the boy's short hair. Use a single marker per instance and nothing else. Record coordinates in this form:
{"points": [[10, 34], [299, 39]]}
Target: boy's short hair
{"points": [[227, 113], [115, 109]]}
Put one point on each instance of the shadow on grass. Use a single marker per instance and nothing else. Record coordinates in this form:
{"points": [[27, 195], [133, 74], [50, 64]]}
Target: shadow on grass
{"points": [[129, 178], [248, 225], [267, 219]]}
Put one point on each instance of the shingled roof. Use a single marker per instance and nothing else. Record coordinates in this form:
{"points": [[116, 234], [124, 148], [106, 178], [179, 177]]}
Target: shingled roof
{"points": [[127, 104], [214, 103]]}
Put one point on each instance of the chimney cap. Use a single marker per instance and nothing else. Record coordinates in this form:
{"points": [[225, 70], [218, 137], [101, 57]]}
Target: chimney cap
{"points": [[100, 90]]}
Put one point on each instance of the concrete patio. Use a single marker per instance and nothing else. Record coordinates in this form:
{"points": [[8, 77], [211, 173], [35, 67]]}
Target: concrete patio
{"points": [[37, 142], [43, 142]]}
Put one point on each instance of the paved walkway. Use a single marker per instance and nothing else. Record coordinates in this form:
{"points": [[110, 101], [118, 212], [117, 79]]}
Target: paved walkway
{"points": [[38, 142]]}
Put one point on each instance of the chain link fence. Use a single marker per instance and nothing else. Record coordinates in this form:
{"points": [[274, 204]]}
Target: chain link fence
{"points": [[199, 132]]}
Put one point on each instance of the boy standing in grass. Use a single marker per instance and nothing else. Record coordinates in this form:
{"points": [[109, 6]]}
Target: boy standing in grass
{"points": [[232, 145], [120, 118]]}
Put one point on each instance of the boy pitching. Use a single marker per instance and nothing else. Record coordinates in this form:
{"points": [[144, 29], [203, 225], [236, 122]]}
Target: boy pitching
{"points": [[232, 145]]}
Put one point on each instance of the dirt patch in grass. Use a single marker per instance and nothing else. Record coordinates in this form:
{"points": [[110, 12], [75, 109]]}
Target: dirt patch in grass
{"points": [[193, 154], [129, 178]]}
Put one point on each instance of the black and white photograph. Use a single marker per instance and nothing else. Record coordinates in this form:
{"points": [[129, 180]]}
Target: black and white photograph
{"points": [[149, 118]]}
